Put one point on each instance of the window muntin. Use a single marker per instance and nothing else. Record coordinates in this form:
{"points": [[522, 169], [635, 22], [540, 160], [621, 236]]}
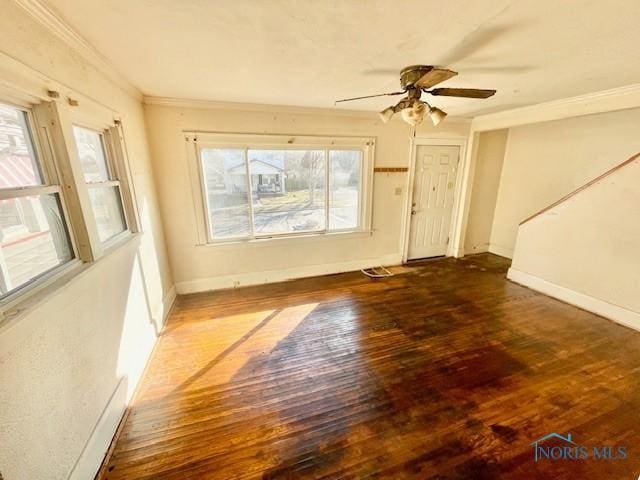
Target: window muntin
{"points": [[34, 237], [104, 188], [266, 192]]}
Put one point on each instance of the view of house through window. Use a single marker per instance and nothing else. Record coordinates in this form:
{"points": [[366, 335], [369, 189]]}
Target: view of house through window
{"points": [[33, 234], [288, 190], [264, 192]]}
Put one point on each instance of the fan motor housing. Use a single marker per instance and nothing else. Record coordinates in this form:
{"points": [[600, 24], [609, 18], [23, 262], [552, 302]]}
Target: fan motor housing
{"points": [[410, 75]]}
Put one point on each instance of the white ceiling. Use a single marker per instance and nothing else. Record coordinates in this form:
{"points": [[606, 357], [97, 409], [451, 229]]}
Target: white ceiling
{"points": [[312, 52]]}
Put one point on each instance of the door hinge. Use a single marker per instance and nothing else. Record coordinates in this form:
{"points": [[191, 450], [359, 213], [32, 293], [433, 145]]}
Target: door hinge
{"points": [[447, 240]]}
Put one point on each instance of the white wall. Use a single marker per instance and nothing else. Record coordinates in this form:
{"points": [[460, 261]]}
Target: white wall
{"points": [[199, 268], [585, 250], [545, 161], [80, 350], [489, 159]]}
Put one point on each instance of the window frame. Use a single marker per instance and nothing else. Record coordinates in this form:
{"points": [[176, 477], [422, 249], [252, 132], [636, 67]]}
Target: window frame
{"points": [[50, 118], [246, 142], [50, 185], [113, 174]]}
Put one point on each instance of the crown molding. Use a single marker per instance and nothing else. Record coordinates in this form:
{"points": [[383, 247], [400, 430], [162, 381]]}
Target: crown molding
{"points": [[253, 107], [621, 98], [73, 39], [268, 108]]}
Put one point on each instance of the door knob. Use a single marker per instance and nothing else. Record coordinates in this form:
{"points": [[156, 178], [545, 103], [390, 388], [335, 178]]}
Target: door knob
{"points": [[413, 212]]}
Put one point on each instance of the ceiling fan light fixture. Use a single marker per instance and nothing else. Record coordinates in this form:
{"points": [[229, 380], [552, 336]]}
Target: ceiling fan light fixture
{"points": [[436, 115], [386, 114], [415, 114], [416, 80]]}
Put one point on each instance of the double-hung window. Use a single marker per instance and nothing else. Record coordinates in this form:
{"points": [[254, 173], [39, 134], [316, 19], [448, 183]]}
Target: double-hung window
{"points": [[273, 186], [34, 236], [102, 182], [66, 196]]}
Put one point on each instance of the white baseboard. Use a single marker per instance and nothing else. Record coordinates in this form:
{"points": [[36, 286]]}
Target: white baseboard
{"points": [[502, 251], [97, 446], [618, 314], [162, 311], [271, 276], [476, 249]]}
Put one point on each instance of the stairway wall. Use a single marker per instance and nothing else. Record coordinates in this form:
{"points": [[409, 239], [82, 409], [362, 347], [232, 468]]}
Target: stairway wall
{"points": [[546, 161], [586, 249]]}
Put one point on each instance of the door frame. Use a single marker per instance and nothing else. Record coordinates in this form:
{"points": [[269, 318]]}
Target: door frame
{"points": [[456, 213]]}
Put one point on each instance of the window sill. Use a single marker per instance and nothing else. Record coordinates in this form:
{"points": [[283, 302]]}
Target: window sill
{"points": [[117, 241], [14, 310], [286, 239]]}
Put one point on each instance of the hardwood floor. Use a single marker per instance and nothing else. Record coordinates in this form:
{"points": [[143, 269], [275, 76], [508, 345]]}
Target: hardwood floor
{"points": [[444, 371]]}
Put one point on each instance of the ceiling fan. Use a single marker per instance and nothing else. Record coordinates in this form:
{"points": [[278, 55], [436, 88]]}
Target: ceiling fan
{"points": [[415, 80]]}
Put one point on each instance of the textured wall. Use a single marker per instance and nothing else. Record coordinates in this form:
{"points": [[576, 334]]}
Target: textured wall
{"points": [[545, 161], [589, 243], [193, 265], [63, 359], [490, 156]]}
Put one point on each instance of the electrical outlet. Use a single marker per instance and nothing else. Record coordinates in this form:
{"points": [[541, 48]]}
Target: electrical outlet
{"points": [[398, 190]]}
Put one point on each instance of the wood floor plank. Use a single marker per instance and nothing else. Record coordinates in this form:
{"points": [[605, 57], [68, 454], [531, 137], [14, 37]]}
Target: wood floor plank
{"points": [[444, 371]]}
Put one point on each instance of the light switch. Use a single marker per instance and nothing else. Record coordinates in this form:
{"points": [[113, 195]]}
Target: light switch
{"points": [[398, 190]]}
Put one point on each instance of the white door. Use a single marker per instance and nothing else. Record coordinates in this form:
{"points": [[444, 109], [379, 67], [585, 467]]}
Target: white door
{"points": [[434, 186]]}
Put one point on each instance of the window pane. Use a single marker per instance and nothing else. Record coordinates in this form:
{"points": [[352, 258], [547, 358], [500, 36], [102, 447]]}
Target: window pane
{"points": [[344, 199], [225, 179], [18, 162], [107, 208], [92, 157], [287, 190], [33, 239]]}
